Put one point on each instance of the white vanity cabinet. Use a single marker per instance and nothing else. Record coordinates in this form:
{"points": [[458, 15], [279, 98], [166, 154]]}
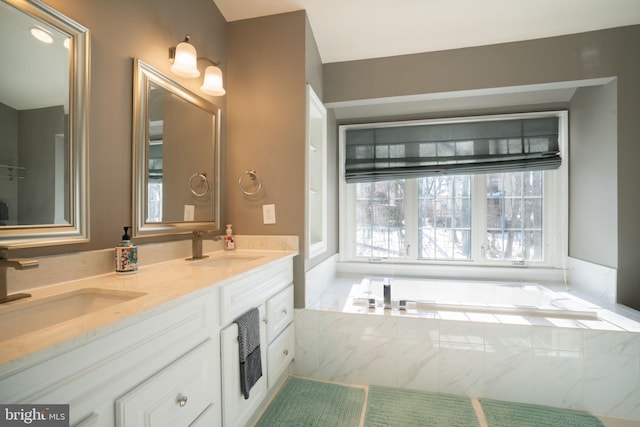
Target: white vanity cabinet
{"points": [[269, 289], [177, 395], [280, 334], [166, 351], [236, 410]]}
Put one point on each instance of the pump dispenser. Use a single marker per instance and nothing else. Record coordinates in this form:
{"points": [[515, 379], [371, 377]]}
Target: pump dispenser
{"points": [[229, 242], [126, 255]]}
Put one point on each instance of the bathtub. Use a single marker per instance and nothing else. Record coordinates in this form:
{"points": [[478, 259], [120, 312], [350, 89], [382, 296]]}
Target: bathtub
{"points": [[411, 295], [505, 339]]}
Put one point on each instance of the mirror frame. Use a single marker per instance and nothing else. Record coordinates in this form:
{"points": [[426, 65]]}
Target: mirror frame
{"points": [[143, 75], [77, 231]]}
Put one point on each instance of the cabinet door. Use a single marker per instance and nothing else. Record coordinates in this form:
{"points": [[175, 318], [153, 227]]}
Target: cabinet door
{"points": [[280, 354], [92, 420], [279, 312], [236, 411], [175, 396]]}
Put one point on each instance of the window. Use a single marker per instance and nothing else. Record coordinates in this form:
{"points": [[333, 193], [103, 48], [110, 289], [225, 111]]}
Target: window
{"points": [[490, 218], [444, 212]]}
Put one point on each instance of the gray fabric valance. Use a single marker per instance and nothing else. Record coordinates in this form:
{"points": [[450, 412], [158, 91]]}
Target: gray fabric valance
{"points": [[489, 146]]}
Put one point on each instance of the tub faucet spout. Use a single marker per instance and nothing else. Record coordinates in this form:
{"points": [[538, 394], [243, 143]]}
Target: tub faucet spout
{"points": [[386, 289], [6, 263]]}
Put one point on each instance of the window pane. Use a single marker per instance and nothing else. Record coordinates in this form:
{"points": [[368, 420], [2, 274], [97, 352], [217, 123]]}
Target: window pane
{"points": [[532, 183], [514, 216], [380, 224], [154, 205], [444, 209]]}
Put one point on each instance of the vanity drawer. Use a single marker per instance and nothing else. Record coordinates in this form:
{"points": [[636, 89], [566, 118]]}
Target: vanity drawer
{"points": [[280, 353], [279, 312], [175, 396], [253, 289]]}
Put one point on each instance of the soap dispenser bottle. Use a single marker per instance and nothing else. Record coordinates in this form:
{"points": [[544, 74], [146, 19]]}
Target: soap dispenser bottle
{"points": [[229, 242], [126, 255]]}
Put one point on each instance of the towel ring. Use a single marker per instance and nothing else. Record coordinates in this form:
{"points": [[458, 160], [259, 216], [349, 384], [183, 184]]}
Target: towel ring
{"points": [[253, 175], [203, 180]]}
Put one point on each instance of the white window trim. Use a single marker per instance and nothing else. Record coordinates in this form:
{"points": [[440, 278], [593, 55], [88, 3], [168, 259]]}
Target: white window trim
{"points": [[555, 225]]}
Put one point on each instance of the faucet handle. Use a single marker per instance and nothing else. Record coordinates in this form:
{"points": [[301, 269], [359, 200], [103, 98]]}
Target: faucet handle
{"points": [[27, 263], [18, 264]]}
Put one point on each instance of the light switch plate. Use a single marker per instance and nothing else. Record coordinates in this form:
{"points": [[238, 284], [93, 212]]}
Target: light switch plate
{"points": [[189, 212], [269, 214]]}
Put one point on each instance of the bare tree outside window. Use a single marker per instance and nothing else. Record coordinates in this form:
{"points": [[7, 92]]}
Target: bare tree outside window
{"points": [[514, 216], [380, 220]]}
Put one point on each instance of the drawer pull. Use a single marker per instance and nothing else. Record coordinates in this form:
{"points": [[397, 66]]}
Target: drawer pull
{"points": [[284, 312], [182, 401], [286, 352], [265, 320]]}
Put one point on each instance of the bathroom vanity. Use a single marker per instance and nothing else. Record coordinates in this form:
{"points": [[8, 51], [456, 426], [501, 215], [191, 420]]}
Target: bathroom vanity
{"points": [[166, 354]]}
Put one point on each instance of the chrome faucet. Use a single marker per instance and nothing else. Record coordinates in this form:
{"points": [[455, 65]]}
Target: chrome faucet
{"points": [[196, 242], [6, 263], [386, 290]]}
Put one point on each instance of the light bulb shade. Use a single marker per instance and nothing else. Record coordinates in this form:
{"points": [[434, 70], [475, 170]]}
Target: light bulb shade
{"points": [[41, 34], [185, 61], [212, 84]]}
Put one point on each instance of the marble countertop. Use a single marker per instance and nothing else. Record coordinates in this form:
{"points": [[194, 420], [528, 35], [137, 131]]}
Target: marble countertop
{"points": [[162, 283]]}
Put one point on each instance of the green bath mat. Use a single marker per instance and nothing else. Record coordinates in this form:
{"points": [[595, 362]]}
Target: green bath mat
{"points": [[314, 403], [508, 414], [396, 407]]}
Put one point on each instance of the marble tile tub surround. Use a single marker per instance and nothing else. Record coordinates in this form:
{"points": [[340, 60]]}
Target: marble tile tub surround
{"points": [[592, 279], [585, 365], [593, 370], [80, 265]]}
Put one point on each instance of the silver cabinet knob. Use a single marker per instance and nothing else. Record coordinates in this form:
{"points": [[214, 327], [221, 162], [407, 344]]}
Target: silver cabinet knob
{"points": [[284, 312], [182, 401], [286, 352]]}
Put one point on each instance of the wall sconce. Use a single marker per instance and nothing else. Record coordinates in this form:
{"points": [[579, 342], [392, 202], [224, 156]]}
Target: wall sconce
{"points": [[185, 64]]}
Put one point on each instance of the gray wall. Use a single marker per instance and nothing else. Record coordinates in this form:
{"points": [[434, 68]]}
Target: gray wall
{"points": [[593, 218], [28, 141], [36, 152], [9, 157], [270, 61], [599, 54], [266, 126]]}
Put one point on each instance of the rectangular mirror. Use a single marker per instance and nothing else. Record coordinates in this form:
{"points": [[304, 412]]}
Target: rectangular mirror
{"points": [[175, 156], [44, 75]]}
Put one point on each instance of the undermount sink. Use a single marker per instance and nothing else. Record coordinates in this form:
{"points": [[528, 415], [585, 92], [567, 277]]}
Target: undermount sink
{"points": [[29, 316], [225, 261]]}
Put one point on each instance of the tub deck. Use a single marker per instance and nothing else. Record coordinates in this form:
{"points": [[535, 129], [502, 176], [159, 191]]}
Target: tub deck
{"points": [[522, 304]]}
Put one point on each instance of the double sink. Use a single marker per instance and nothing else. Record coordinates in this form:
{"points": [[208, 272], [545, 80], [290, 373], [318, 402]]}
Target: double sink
{"points": [[26, 316]]}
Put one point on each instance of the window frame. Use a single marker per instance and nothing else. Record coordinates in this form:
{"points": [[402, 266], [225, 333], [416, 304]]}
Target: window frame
{"points": [[555, 208]]}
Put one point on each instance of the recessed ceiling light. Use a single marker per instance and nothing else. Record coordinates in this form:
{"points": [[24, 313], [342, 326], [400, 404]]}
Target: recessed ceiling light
{"points": [[41, 34]]}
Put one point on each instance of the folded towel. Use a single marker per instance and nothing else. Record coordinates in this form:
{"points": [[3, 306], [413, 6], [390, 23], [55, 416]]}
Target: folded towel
{"points": [[249, 343]]}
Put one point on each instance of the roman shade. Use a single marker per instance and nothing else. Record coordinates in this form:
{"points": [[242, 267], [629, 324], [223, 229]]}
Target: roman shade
{"points": [[414, 150]]}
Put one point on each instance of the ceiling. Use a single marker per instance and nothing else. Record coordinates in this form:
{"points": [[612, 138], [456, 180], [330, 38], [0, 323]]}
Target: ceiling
{"points": [[24, 82], [348, 30]]}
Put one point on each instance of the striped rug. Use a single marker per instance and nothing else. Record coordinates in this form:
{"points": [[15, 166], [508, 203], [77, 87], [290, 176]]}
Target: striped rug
{"points": [[396, 407], [304, 402]]}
